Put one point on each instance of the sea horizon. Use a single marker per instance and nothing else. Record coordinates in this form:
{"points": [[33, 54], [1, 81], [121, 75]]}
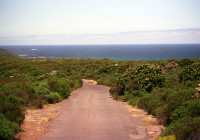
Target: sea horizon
{"points": [[110, 51]]}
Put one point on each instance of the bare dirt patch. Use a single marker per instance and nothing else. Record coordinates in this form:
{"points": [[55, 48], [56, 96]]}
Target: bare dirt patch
{"points": [[89, 81], [36, 121], [53, 72]]}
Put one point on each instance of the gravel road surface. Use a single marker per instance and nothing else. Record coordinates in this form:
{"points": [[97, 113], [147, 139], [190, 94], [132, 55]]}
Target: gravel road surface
{"points": [[91, 114]]}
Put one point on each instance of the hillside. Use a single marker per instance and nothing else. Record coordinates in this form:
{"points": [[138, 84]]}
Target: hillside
{"points": [[6, 54]]}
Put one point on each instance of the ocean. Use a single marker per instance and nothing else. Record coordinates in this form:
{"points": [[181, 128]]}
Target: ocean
{"points": [[112, 52]]}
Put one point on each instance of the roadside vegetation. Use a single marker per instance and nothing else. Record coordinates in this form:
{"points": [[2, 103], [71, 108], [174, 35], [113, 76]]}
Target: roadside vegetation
{"points": [[168, 89]]}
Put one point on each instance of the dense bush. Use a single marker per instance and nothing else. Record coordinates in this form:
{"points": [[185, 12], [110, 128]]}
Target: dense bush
{"points": [[114, 91], [10, 73], [60, 85], [170, 99], [75, 83], [149, 103], [53, 97], [183, 128], [10, 107], [132, 97], [107, 69], [185, 62], [121, 85], [45, 76], [41, 88], [171, 80], [141, 77], [28, 83], [191, 72], [184, 120], [6, 89], [189, 109], [60, 75], [7, 128]]}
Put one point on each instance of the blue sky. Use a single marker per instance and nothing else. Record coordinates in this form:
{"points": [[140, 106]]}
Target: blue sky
{"points": [[99, 22]]}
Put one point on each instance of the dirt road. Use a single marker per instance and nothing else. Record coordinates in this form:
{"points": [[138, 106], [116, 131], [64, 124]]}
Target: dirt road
{"points": [[91, 114]]}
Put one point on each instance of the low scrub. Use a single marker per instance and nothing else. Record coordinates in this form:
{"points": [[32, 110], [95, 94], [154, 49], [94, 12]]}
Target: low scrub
{"points": [[185, 62], [191, 72], [166, 89], [7, 128], [60, 86], [10, 107], [53, 97], [183, 129]]}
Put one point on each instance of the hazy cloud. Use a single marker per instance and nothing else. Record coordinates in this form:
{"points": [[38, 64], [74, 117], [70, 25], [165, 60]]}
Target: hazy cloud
{"points": [[178, 36]]}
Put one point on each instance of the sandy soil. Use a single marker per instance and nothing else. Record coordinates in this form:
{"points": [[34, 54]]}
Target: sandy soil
{"points": [[89, 113], [37, 120], [53, 72], [89, 81], [153, 127]]}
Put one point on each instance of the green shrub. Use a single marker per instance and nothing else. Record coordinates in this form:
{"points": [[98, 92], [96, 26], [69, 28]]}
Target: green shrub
{"points": [[185, 62], [40, 103], [138, 93], [130, 98], [115, 96], [179, 95], [146, 76], [121, 85], [53, 97], [132, 101], [183, 128], [14, 99], [61, 86], [41, 88], [114, 92], [60, 75], [10, 73], [108, 81], [75, 83], [127, 96], [172, 99], [37, 102], [100, 81], [35, 72], [10, 107], [19, 89], [187, 110], [165, 94], [78, 83], [149, 103], [191, 72], [45, 76], [162, 63], [190, 83], [30, 70], [6, 89], [132, 85], [107, 69], [123, 68], [7, 128], [171, 80]]}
